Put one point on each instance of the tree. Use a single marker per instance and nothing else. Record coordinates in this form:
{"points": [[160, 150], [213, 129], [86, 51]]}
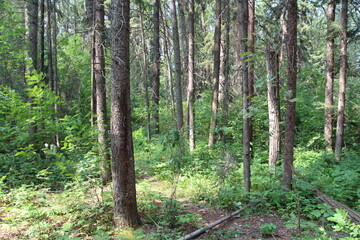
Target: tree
{"points": [[251, 49], [32, 12], [100, 81], [243, 32], [156, 66], [177, 61], [342, 81], [290, 94], [215, 86], [191, 77], [273, 105], [329, 75], [123, 171]]}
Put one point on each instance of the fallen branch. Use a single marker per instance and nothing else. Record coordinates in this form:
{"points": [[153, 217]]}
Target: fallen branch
{"points": [[213, 224], [354, 216]]}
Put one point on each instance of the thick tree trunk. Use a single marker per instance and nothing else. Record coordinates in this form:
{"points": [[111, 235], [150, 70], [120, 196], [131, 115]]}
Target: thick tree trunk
{"points": [[123, 169], [290, 95], [273, 106], [156, 67], [191, 78], [177, 61], [329, 75], [244, 18], [342, 81], [215, 90], [99, 75]]}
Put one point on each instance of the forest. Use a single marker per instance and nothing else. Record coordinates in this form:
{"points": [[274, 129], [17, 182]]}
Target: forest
{"points": [[179, 119]]}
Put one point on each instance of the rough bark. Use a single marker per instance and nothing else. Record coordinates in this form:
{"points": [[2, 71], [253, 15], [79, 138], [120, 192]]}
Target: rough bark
{"points": [[184, 38], [290, 94], [178, 73], [50, 73], [342, 81], [329, 75], [123, 171], [156, 67], [191, 78], [99, 75], [42, 36], [243, 33], [273, 106], [215, 86]]}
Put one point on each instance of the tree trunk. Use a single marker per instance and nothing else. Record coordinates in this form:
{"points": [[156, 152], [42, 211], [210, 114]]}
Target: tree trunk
{"points": [[329, 75], [290, 95], [156, 67], [342, 81], [99, 75], [183, 37], [226, 70], [251, 49], [284, 32], [215, 90], [32, 11], [177, 61], [50, 74], [123, 170], [273, 106], [244, 18], [191, 77], [42, 36], [146, 80]]}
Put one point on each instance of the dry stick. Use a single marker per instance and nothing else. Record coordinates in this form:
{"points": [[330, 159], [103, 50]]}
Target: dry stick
{"points": [[213, 224]]}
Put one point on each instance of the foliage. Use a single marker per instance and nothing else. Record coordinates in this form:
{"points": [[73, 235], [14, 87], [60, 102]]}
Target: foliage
{"points": [[268, 229], [343, 224]]}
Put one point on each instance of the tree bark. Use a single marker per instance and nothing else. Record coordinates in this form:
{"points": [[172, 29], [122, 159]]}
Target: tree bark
{"points": [[290, 95], [156, 67], [184, 39], [342, 81], [329, 75], [284, 32], [177, 61], [146, 80], [50, 74], [273, 106], [99, 75], [244, 18], [42, 36], [32, 11], [191, 78], [251, 49], [215, 90], [123, 169]]}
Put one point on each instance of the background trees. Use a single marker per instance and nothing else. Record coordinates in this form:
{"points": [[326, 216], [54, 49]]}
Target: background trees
{"points": [[213, 50]]}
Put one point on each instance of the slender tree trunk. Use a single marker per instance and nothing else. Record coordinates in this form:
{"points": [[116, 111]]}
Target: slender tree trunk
{"points": [[32, 11], [184, 39], [342, 81], [251, 49], [146, 79], [99, 75], [169, 64], [123, 169], [50, 74], [191, 78], [177, 61], [156, 67], [329, 75], [273, 106], [244, 18], [42, 36], [290, 95], [284, 32], [215, 90], [55, 68]]}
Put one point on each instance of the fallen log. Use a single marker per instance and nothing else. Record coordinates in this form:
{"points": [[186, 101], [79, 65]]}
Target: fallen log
{"points": [[213, 224], [354, 216]]}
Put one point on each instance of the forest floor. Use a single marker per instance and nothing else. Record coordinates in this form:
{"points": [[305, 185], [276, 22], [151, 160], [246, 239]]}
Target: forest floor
{"points": [[249, 224]]}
